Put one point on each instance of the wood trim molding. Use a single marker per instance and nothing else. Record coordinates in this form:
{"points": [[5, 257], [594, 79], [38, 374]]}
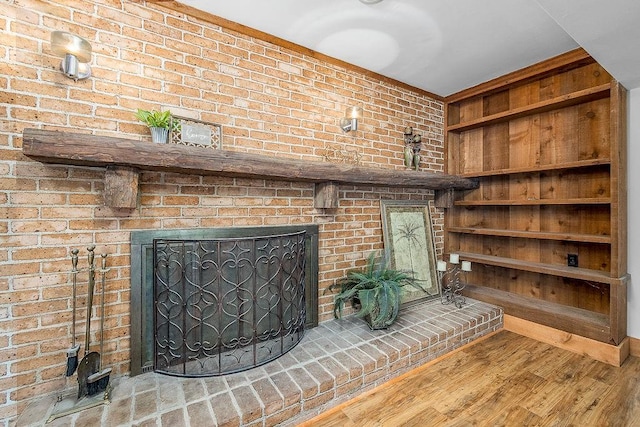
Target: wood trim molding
{"points": [[634, 347], [261, 35], [608, 353]]}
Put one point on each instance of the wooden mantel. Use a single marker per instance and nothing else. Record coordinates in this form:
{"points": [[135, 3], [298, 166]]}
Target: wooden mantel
{"points": [[124, 158]]}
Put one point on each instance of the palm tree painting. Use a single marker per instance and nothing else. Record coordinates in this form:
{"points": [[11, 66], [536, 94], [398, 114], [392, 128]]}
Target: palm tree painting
{"points": [[408, 244]]}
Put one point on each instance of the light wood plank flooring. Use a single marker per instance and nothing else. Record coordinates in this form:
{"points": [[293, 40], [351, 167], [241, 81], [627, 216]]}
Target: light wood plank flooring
{"points": [[503, 380]]}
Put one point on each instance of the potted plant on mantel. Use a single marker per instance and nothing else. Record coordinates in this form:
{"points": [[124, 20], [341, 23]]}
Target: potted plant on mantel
{"points": [[158, 122], [375, 292]]}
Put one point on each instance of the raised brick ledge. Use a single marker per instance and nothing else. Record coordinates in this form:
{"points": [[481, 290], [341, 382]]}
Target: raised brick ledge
{"points": [[334, 362]]}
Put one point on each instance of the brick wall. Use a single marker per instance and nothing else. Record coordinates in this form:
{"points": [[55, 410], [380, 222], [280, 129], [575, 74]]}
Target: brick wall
{"points": [[269, 100]]}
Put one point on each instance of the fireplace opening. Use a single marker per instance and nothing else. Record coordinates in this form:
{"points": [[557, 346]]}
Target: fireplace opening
{"points": [[215, 301]]}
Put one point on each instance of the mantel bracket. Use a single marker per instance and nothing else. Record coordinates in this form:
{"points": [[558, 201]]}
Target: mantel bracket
{"points": [[121, 187]]}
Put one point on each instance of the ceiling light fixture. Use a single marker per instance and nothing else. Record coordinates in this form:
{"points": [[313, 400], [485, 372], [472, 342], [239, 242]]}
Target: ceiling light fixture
{"points": [[370, 1], [76, 54]]}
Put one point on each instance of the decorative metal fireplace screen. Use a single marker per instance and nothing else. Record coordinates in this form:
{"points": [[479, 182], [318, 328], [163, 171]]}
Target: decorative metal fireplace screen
{"points": [[142, 277], [227, 305]]}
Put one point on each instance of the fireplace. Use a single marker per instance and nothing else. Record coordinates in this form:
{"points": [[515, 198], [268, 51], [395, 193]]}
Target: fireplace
{"points": [[248, 330]]}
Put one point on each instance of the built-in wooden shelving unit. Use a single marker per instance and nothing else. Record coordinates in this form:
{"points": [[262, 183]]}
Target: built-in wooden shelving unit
{"points": [[123, 158], [547, 145]]}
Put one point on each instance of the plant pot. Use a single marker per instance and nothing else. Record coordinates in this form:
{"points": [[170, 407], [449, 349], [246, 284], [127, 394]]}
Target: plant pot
{"points": [[159, 135], [375, 321], [375, 326]]}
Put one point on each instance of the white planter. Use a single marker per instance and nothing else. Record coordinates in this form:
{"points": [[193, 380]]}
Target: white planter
{"points": [[159, 135]]}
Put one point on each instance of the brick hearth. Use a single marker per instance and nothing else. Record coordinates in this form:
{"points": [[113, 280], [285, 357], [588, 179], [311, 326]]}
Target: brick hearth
{"points": [[334, 362]]}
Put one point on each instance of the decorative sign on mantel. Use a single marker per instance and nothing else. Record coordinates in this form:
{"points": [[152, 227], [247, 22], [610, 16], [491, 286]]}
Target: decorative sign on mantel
{"points": [[346, 155], [195, 133]]}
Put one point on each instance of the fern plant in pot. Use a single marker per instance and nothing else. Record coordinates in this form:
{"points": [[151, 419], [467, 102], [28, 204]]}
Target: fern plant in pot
{"points": [[375, 292]]}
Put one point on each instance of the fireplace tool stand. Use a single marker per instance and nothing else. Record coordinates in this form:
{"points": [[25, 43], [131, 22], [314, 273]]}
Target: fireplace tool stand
{"points": [[100, 392]]}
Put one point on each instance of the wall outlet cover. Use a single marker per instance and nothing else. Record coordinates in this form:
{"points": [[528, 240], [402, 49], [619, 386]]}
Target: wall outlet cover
{"points": [[572, 260]]}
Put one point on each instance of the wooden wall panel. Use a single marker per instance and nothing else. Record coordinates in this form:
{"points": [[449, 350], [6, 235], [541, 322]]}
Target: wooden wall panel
{"points": [[524, 145], [593, 130], [471, 151], [575, 184], [521, 96], [495, 154], [496, 103], [573, 219]]}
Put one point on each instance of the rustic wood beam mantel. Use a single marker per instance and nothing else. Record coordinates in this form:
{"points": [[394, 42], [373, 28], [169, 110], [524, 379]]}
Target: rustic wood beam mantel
{"points": [[92, 150]]}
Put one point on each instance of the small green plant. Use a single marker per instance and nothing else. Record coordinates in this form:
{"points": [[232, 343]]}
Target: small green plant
{"points": [[375, 292], [154, 119]]}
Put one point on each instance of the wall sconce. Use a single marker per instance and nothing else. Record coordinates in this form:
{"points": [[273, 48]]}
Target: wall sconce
{"points": [[76, 54], [350, 121]]}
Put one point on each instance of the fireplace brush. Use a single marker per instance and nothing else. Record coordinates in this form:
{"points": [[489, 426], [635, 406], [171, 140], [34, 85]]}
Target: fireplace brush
{"points": [[72, 353]]}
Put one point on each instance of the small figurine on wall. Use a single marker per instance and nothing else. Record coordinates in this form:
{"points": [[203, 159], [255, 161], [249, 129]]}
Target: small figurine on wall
{"points": [[413, 144]]}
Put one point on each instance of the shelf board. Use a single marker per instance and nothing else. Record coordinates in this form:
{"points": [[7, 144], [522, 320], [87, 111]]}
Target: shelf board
{"points": [[574, 98], [540, 168], [537, 267], [536, 202], [575, 320], [540, 235], [92, 150]]}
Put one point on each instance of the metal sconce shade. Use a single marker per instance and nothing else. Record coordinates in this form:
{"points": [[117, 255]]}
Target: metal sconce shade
{"points": [[353, 112], [76, 53], [63, 43], [350, 121]]}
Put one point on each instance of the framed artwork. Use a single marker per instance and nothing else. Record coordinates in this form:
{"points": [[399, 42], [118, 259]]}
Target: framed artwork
{"points": [[408, 244]]}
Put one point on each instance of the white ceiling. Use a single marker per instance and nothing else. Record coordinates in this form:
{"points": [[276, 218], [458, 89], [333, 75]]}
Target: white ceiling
{"points": [[608, 30], [444, 46]]}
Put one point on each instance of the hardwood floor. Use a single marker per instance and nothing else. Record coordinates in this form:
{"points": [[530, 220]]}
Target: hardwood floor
{"points": [[504, 380]]}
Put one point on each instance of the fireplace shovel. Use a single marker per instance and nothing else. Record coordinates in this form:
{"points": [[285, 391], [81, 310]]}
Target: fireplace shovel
{"points": [[90, 363], [72, 353], [99, 382]]}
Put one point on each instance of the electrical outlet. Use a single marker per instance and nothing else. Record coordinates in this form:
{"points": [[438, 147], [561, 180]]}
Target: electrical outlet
{"points": [[572, 260]]}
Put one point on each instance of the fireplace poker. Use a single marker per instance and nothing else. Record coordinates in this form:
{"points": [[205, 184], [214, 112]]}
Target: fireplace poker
{"points": [[90, 363], [72, 353], [98, 382]]}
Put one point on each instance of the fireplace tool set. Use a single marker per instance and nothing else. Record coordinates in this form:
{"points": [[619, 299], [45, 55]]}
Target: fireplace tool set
{"points": [[93, 380]]}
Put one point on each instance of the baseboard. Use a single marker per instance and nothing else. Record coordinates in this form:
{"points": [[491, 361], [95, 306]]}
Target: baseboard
{"points": [[611, 354], [634, 347]]}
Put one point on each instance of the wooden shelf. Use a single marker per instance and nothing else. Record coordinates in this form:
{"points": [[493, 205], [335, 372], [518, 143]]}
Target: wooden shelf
{"points": [[541, 235], [536, 267], [575, 320], [574, 98], [535, 202], [540, 168], [91, 150]]}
